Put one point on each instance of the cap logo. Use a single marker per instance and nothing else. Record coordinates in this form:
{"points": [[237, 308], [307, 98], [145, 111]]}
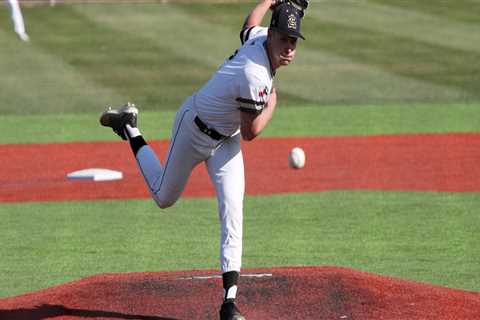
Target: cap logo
{"points": [[292, 22]]}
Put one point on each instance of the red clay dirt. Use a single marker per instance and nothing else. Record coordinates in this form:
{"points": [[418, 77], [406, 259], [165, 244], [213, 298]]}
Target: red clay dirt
{"points": [[279, 294], [414, 162]]}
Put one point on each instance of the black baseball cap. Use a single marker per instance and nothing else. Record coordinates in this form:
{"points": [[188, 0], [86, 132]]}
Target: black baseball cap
{"points": [[286, 19]]}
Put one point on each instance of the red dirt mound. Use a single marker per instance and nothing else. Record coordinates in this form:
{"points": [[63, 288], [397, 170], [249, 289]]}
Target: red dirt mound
{"points": [[281, 294], [428, 162]]}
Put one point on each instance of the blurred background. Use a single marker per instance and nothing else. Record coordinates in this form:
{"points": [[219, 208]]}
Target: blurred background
{"points": [[85, 54]]}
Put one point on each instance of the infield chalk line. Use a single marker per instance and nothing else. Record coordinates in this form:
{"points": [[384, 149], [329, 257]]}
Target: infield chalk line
{"points": [[246, 275]]}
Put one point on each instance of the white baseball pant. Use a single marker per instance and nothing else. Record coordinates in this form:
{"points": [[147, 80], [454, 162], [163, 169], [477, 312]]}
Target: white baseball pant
{"points": [[17, 17], [224, 162]]}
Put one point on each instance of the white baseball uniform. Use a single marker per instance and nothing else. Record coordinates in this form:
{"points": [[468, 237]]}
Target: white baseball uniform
{"points": [[242, 84]]}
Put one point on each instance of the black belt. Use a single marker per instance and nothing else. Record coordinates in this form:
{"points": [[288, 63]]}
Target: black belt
{"points": [[212, 133]]}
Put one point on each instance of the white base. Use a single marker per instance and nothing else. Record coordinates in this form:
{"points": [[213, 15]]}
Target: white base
{"points": [[95, 174]]}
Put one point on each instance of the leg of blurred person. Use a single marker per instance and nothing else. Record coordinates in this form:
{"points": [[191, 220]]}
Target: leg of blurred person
{"points": [[18, 19]]}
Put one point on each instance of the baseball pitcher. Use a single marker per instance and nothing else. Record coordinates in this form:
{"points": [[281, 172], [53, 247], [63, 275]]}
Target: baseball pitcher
{"points": [[237, 102]]}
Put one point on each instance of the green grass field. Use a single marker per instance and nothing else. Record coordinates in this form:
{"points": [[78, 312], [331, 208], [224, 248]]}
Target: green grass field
{"points": [[368, 67], [424, 236]]}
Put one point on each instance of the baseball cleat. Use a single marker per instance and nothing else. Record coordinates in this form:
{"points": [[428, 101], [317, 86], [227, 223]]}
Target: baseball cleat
{"points": [[229, 311], [118, 118]]}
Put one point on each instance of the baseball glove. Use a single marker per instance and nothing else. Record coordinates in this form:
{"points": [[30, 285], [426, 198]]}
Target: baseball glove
{"points": [[300, 5]]}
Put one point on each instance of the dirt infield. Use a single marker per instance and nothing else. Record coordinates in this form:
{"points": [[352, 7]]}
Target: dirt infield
{"points": [[285, 293], [428, 162]]}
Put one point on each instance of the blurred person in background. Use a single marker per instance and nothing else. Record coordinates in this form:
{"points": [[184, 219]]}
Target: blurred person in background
{"points": [[19, 25]]}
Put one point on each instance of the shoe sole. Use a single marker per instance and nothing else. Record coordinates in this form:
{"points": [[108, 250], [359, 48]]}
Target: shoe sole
{"points": [[109, 117]]}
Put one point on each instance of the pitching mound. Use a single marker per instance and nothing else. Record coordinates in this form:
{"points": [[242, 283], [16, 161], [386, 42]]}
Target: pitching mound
{"points": [[285, 293]]}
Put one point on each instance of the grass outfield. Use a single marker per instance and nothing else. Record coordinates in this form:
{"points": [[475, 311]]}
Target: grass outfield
{"points": [[83, 57], [288, 121], [368, 67], [426, 237]]}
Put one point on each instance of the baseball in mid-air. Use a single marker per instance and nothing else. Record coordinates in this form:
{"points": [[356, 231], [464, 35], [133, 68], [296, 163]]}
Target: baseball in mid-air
{"points": [[296, 158]]}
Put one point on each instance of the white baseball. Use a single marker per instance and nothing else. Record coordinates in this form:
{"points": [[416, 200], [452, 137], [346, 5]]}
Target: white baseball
{"points": [[296, 158]]}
